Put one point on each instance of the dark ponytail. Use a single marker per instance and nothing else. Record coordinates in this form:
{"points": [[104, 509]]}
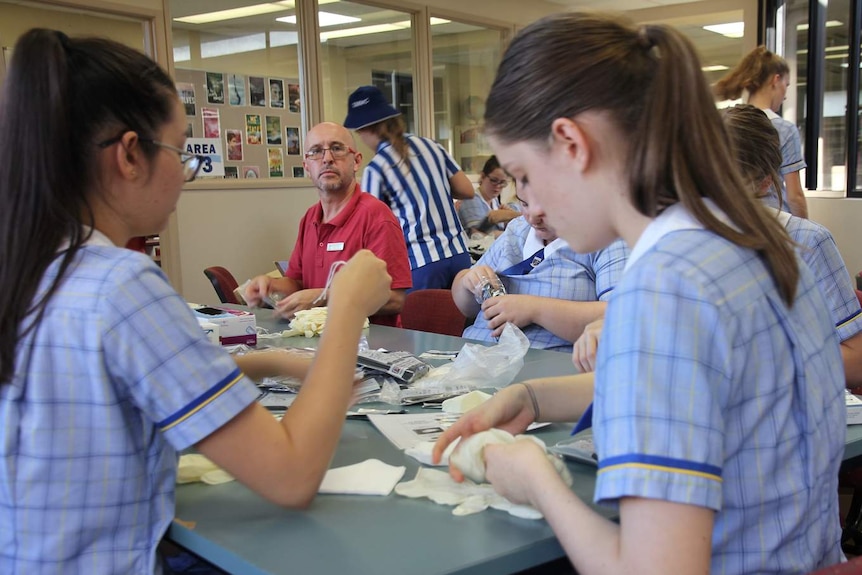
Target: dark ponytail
{"points": [[62, 96], [491, 164], [650, 82]]}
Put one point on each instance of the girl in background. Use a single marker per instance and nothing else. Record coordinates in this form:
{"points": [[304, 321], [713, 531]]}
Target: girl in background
{"points": [[419, 180], [105, 373], [719, 418], [764, 77], [483, 214], [758, 152]]}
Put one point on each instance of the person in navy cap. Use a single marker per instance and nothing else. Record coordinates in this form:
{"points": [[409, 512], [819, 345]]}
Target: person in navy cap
{"points": [[419, 181]]}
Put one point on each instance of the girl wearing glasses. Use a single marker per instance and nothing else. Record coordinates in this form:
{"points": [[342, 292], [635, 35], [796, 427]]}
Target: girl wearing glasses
{"points": [[419, 181], [484, 214], [719, 417], [104, 372]]}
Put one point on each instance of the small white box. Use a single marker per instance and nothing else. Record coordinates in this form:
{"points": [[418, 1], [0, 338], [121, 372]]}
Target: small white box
{"points": [[211, 329], [854, 408], [234, 326]]}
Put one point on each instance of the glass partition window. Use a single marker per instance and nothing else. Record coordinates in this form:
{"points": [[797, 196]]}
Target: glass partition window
{"points": [[365, 45], [237, 72], [465, 58], [832, 165], [858, 183], [832, 144]]}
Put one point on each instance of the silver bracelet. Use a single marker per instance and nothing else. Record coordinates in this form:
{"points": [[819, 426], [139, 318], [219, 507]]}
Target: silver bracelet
{"points": [[533, 399]]}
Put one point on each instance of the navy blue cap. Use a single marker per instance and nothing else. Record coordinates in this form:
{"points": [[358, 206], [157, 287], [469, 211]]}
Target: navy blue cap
{"points": [[367, 106]]}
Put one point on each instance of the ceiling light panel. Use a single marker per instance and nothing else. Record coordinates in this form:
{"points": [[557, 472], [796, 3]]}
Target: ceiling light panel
{"points": [[325, 19], [730, 29], [234, 13]]}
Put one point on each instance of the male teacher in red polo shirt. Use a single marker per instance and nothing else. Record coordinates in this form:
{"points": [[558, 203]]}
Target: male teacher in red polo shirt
{"points": [[342, 223]]}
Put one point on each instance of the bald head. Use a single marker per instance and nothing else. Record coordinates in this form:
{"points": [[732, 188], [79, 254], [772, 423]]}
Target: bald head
{"points": [[331, 174], [329, 131]]}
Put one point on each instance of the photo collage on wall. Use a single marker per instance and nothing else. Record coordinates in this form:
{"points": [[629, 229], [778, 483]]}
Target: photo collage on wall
{"points": [[256, 117]]}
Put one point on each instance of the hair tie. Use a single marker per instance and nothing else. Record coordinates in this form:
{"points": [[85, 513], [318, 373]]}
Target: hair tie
{"points": [[644, 40], [64, 40]]}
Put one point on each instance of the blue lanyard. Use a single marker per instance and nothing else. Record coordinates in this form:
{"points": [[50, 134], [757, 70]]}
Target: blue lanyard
{"points": [[586, 420], [526, 266]]}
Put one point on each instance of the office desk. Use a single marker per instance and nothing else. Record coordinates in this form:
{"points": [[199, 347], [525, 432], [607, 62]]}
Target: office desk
{"points": [[240, 532], [339, 534]]}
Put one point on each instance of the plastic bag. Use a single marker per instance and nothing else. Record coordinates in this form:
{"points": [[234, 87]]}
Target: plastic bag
{"points": [[479, 366]]}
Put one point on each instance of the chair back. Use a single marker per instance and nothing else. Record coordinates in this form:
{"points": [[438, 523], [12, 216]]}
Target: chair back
{"points": [[223, 283], [432, 310]]}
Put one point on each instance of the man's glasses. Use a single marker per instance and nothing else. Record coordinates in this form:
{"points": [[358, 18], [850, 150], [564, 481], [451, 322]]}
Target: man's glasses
{"points": [[338, 151], [497, 183], [192, 163]]}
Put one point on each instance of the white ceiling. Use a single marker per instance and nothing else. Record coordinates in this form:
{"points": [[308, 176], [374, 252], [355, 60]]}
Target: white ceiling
{"points": [[619, 4], [714, 48]]}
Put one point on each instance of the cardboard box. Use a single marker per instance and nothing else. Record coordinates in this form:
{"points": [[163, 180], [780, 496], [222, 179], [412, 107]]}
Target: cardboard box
{"points": [[854, 408], [234, 326]]}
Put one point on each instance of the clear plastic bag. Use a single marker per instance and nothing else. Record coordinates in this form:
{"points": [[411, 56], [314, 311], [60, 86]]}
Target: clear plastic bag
{"points": [[479, 366]]}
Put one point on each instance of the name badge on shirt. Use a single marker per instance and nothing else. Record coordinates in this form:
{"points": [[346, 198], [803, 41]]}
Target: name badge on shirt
{"points": [[335, 246]]}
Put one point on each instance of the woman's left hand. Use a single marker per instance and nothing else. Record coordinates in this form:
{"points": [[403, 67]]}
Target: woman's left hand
{"points": [[517, 470]]}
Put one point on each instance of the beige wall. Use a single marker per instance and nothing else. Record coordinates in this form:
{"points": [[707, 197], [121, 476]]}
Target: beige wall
{"points": [[843, 217], [242, 230], [17, 19]]}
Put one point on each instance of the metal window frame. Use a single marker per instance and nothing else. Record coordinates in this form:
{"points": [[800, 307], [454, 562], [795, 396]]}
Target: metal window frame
{"points": [[815, 91], [854, 187]]}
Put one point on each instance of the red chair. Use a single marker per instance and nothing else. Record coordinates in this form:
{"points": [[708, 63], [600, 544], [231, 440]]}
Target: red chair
{"points": [[432, 310], [223, 283], [852, 567]]}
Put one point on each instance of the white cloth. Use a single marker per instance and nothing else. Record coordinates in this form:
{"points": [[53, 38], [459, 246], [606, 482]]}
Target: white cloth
{"points": [[421, 452], [467, 497], [472, 497], [471, 461], [371, 477], [194, 467], [466, 402]]}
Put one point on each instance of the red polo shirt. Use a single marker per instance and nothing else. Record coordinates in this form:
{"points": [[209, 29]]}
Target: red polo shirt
{"points": [[364, 223]]}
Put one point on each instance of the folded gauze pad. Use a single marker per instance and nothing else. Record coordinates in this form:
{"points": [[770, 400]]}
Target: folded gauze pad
{"points": [[469, 457]]}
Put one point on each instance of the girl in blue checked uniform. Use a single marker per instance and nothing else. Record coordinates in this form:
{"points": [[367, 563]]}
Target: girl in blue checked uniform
{"points": [[758, 151], [419, 180], [104, 372], [719, 416], [763, 78]]}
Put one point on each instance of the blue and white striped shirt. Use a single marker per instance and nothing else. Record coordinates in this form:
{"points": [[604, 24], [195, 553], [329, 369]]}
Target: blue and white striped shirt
{"points": [[419, 194], [562, 274], [710, 391], [114, 381]]}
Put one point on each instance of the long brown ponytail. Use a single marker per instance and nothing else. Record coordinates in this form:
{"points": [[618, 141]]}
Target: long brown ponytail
{"points": [[650, 81]]}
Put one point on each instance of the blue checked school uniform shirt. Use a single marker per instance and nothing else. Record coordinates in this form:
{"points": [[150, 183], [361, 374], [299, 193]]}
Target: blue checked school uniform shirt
{"points": [[818, 250], [562, 274], [710, 391], [474, 213], [419, 194], [791, 157], [114, 381]]}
